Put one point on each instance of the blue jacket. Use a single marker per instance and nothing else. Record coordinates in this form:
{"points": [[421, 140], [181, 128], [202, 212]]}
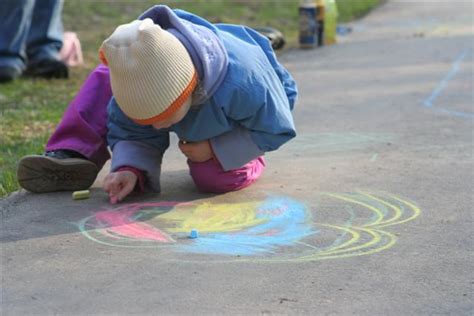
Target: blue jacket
{"points": [[242, 105]]}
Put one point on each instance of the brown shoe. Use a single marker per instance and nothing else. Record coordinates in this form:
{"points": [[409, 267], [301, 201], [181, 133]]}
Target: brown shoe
{"points": [[44, 173]]}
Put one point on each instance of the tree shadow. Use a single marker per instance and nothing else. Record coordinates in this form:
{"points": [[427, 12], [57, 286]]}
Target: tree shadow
{"points": [[26, 215]]}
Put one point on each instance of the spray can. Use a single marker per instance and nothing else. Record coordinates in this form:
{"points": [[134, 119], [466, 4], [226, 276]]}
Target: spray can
{"points": [[308, 24]]}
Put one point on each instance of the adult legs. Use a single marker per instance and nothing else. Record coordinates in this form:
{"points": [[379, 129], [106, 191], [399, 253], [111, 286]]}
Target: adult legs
{"points": [[45, 39], [15, 21], [30, 39]]}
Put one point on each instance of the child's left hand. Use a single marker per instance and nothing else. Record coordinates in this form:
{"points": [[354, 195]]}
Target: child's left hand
{"points": [[196, 152]]}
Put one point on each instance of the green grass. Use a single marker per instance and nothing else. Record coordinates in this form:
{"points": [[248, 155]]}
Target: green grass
{"points": [[31, 108], [353, 9]]}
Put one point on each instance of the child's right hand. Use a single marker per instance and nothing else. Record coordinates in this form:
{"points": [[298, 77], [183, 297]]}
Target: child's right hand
{"points": [[119, 185]]}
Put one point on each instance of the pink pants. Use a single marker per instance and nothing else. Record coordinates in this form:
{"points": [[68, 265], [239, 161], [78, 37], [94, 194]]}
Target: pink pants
{"points": [[210, 177]]}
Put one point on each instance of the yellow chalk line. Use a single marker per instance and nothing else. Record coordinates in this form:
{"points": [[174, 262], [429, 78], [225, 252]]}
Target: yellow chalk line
{"points": [[398, 211], [341, 251], [380, 215], [392, 240], [355, 237], [416, 212], [374, 241]]}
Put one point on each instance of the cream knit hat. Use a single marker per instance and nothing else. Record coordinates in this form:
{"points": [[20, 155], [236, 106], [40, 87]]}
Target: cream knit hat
{"points": [[151, 72]]}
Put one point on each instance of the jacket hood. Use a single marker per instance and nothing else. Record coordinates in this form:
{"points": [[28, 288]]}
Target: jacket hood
{"points": [[202, 42]]}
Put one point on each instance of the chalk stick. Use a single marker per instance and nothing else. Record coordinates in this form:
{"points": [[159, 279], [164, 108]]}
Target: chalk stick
{"points": [[81, 195]]}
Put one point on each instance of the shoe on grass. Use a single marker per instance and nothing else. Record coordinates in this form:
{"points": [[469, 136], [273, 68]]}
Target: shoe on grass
{"points": [[9, 73], [60, 170], [48, 68]]}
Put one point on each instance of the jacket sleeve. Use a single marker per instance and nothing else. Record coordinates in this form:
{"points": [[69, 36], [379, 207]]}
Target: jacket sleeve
{"points": [[133, 145], [265, 113], [263, 123], [260, 103]]}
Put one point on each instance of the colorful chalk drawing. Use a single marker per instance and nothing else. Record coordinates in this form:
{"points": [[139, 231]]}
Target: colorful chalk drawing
{"points": [[276, 229]]}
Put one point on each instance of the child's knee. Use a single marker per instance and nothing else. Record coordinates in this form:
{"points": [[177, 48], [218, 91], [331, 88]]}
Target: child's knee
{"points": [[210, 177]]}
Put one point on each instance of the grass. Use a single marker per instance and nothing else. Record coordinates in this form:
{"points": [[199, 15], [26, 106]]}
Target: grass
{"points": [[31, 108]]}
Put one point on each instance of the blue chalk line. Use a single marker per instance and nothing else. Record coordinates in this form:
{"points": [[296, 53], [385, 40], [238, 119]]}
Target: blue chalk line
{"points": [[429, 102]]}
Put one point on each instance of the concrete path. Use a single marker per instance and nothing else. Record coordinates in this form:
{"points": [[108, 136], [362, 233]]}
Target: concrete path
{"points": [[368, 211]]}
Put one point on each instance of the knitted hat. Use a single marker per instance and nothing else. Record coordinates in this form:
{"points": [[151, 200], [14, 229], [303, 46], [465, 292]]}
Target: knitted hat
{"points": [[151, 72]]}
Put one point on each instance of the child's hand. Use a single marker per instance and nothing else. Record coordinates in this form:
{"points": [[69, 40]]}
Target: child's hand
{"points": [[196, 152], [119, 185]]}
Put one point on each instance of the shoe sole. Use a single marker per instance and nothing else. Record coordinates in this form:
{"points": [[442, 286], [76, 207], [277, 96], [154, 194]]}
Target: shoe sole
{"points": [[40, 174]]}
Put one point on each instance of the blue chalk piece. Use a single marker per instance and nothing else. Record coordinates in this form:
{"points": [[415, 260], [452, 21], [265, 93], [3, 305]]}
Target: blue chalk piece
{"points": [[194, 234]]}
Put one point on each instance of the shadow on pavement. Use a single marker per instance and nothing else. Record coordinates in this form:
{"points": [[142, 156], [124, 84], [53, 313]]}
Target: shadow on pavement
{"points": [[57, 213]]}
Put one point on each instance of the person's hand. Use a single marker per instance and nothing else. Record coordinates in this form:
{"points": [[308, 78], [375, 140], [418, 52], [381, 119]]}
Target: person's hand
{"points": [[119, 184], [196, 152]]}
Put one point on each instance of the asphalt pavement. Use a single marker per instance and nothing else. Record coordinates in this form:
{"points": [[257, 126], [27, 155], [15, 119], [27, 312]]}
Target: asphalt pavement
{"points": [[368, 211]]}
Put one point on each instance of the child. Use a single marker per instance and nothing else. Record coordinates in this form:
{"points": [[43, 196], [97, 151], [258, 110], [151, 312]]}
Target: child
{"points": [[218, 87]]}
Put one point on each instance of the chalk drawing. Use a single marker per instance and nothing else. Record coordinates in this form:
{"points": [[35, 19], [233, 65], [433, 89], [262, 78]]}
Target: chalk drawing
{"points": [[333, 142], [125, 226], [277, 229], [241, 228], [279, 222], [429, 102], [367, 238]]}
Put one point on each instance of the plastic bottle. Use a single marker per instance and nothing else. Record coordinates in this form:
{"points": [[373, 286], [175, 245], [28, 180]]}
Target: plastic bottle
{"points": [[330, 22], [308, 24]]}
